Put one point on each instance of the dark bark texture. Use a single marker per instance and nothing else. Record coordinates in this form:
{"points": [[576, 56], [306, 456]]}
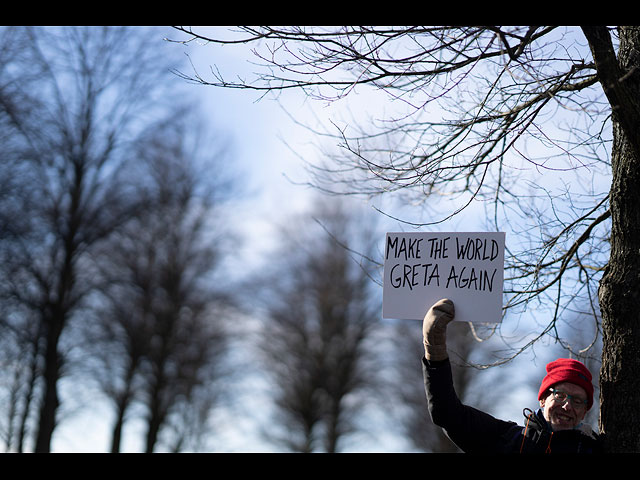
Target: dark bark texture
{"points": [[619, 288]]}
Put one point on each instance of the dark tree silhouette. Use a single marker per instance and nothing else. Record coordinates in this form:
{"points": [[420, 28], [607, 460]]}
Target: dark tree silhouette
{"points": [[320, 316], [162, 338], [71, 102]]}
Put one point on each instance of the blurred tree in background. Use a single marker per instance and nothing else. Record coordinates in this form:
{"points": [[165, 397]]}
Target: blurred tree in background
{"points": [[159, 332], [93, 167], [320, 316]]}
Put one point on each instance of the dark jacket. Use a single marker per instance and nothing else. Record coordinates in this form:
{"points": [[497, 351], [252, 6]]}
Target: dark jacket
{"points": [[474, 431]]}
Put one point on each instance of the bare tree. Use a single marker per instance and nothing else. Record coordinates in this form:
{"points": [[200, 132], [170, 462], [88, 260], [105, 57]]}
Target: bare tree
{"points": [[537, 127], [72, 102], [319, 318], [162, 337], [20, 362]]}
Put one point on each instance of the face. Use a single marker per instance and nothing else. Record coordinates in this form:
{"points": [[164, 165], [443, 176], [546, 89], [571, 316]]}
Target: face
{"points": [[564, 416]]}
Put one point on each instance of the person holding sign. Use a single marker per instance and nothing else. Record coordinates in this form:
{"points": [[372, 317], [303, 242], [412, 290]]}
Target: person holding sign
{"points": [[565, 396]]}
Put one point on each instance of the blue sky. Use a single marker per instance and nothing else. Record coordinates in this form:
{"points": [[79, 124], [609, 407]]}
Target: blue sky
{"points": [[257, 132], [262, 137]]}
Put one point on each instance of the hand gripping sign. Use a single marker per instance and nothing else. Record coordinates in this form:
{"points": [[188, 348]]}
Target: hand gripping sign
{"points": [[421, 268]]}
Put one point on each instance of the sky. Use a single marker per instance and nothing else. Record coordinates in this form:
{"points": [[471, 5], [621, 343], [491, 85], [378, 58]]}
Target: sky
{"points": [[254, 131], [266, 148]]}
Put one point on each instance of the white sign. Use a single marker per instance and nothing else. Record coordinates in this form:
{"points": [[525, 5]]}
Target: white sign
{"points": [[421, 268]]}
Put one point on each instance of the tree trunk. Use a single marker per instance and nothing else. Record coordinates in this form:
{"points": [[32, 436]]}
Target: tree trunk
{"points": [[31, 387], [50, 402], [122, 404], [619, 288], [54, 316], [153, 427], [620, 307], [116, 434], [157, 411]]}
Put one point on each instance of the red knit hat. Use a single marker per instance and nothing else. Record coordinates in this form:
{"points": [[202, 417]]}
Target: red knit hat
{"points": [[567, 370]]}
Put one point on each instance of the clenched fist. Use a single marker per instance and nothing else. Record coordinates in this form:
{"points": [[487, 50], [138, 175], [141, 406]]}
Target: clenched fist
{"points": [[434, 329]]}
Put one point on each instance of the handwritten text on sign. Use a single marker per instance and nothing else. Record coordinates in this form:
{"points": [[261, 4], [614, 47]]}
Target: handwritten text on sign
{"points": [[421, 268]]}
